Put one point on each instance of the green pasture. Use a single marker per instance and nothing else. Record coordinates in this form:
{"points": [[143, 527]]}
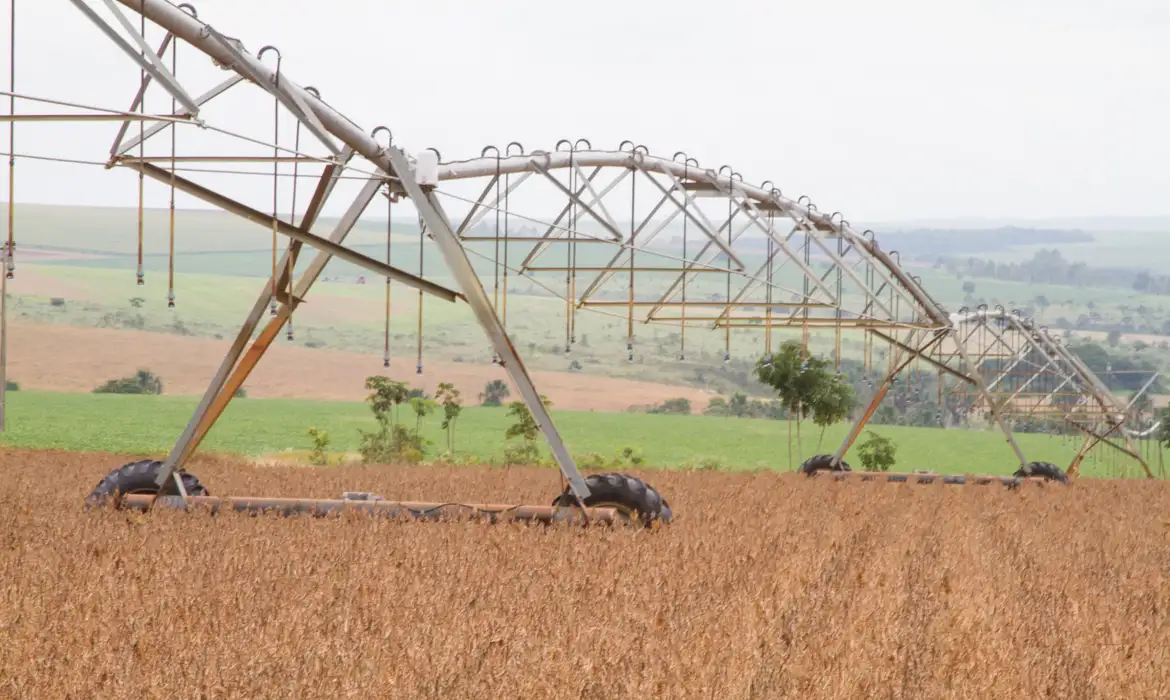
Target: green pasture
{"points": [[148, 425]]}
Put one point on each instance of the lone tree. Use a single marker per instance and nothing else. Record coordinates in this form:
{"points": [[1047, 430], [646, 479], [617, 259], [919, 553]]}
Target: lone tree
{"points": [[494, 393], [804, 387], [448, 398]]}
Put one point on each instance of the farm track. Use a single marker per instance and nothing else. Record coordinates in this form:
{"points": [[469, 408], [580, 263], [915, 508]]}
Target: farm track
{"points": [[766, 586]]}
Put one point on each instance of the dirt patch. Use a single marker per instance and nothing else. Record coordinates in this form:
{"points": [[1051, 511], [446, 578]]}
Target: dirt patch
{"points": [[53, 357], [766, 586]]}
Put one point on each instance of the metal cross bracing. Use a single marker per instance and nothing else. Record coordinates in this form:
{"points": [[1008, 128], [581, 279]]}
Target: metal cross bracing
{"points": [[647, 239], [746, 257]]}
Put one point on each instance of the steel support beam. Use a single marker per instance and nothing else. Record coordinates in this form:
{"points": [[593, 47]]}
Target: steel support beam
{"points": [[880, 393], [996, 415], [152, 64], [295, 232], [270, 332], [138, 97], [121, 148], [222, 389], [456, 258]]}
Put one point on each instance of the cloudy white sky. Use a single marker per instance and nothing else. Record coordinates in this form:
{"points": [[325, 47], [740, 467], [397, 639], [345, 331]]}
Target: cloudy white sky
{"points": [[895, 110]]}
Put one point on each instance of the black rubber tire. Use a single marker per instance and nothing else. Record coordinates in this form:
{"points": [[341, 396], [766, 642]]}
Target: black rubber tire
{"points": [[1047, 470], [139, 477], [823, 463], [633, 497]]}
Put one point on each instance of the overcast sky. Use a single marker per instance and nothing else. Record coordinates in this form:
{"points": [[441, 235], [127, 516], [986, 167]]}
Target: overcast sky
{"points": [[895, 110]]}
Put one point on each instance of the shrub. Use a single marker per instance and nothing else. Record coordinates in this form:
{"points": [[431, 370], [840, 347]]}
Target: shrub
{"points": [[680, 406], [143, 382], [877, 453]]}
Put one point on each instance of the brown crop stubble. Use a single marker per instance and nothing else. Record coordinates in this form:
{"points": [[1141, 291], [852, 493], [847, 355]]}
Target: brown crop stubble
{"points": [[766, 586]]}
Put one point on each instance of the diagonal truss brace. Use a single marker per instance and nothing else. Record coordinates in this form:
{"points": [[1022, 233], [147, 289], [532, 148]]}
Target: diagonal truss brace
{"points": [[151, 64], [217, 395], [436, 221], [575, 199], [122, 148], [295, 232]]}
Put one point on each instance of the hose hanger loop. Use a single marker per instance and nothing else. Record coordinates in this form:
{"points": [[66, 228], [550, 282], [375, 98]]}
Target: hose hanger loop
{"points": [[519, 151], [578, 142], [389, 137], [622, 146], [279, 58], [645, 151], [438, 156], [484, 152], [564, 141], [190, 10]]}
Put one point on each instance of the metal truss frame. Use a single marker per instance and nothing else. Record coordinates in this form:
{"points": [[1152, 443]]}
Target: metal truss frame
{"points": [[859, 286]]}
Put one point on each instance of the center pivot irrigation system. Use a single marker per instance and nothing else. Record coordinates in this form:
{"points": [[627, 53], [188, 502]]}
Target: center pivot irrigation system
{"points": [[736, 258]]}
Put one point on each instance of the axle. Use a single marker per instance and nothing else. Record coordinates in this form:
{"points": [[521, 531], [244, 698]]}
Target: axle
{"points": [[376, 507]]}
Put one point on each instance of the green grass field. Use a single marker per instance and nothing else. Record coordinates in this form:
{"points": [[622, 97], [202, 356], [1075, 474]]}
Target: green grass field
{"points": [[148, 425]]}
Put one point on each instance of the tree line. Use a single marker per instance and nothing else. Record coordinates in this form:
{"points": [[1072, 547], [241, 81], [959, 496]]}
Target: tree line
{"points": [[1048, 266]]}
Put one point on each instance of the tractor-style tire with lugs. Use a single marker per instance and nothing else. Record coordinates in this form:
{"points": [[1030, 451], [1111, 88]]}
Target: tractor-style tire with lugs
{"points": [[823, 463], [1047, 470], [139, 478], [631, 496]]}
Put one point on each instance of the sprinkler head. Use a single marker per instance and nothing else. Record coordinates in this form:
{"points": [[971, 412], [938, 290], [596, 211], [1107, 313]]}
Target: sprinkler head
{"points": [[418, 368], [727, 357], [272, 309], [386, 359]]}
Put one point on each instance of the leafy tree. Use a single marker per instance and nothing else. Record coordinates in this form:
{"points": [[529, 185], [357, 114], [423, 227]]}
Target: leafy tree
{"points": [[448, 397], [422, 408], [391, 440], [385, 397], [877, 453], [494, 393], [805, 386], [527, 429], [1114, 338]]}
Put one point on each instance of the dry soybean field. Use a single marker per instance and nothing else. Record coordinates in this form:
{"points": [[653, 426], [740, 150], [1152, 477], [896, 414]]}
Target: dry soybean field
{"points": [[765, 586]]}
